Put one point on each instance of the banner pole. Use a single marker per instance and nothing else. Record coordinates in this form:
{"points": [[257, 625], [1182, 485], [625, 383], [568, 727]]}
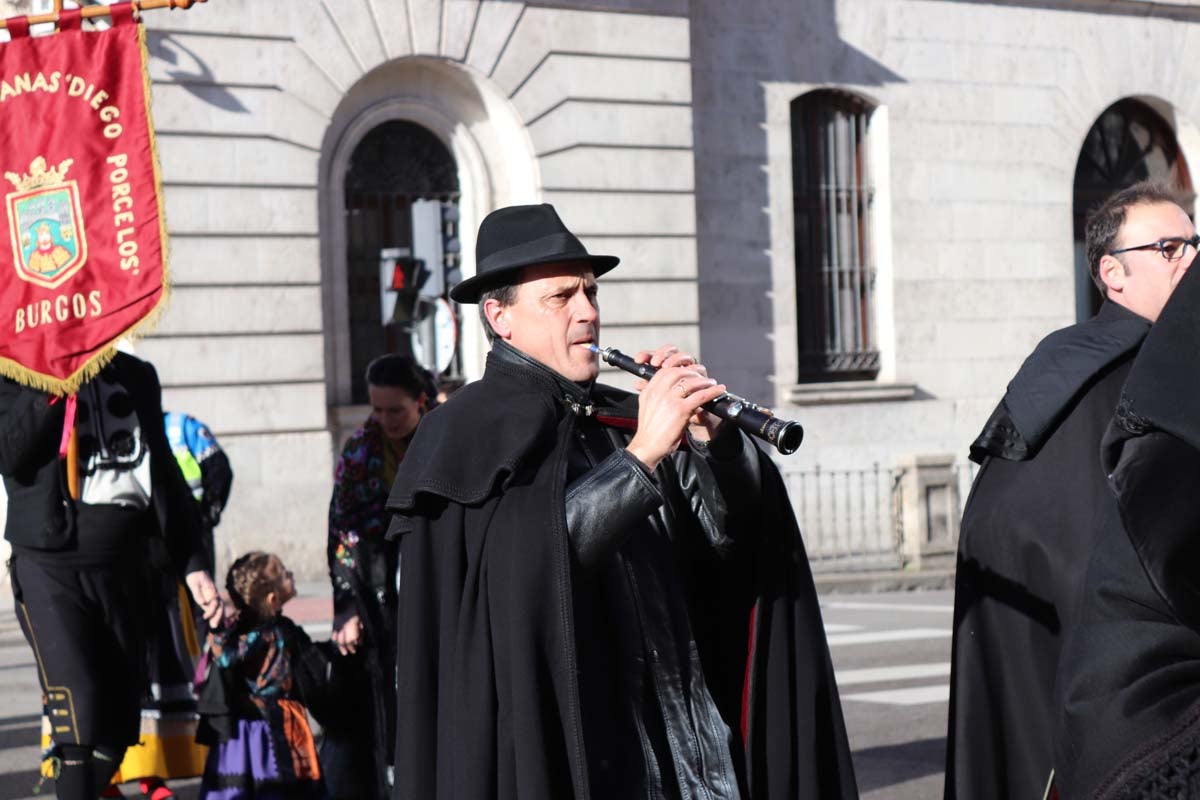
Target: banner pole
{"points": [[89, 12]]}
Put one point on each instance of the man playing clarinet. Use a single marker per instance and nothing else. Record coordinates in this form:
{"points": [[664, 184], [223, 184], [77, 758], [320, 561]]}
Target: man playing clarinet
{"points": [[602, 594]]}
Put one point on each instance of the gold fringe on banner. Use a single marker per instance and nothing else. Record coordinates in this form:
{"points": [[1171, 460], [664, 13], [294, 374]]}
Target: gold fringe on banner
{"points": [[60, 387]]}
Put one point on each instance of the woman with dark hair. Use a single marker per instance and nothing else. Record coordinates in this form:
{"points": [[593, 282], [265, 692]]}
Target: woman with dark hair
{"points": [[362, 567]]}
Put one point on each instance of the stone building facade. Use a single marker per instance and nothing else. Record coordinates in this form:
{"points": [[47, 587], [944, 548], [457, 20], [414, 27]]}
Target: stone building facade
{"points": [[861, 212]]}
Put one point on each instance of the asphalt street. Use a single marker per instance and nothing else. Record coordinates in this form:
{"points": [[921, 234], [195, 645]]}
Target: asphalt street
{"points": [[20, 711], [891, 652]]}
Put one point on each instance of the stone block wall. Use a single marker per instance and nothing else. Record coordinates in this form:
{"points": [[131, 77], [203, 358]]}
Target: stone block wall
{"points": [[985, 108]]}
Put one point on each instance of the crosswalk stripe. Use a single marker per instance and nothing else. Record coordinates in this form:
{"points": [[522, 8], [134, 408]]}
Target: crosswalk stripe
{"points": [[912, 696], [30, 722], [837, 627], [878, 637], [851, 677], [24, 758], [854, 605]]}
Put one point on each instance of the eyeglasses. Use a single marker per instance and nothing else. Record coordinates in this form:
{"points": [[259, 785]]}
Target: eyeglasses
{"points": [[1172, 248]]}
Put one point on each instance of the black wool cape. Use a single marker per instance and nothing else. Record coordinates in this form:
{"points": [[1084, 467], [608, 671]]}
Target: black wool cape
{"points": [[1129, 679], [487, 700], [1026, 534]]}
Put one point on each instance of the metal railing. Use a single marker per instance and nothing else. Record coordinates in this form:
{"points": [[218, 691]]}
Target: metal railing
{"points": [[848, 517], [851, 518]]}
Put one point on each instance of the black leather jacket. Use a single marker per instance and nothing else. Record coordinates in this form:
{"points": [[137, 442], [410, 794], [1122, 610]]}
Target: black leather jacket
{"points": [[650, 725]]}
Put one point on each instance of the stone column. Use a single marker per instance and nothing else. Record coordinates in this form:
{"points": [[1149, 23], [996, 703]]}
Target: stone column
{"points": [[929, 510]]}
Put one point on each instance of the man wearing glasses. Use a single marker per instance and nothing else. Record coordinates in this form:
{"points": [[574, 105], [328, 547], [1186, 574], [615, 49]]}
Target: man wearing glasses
{"points": [[1140, 277], [1029, 526]]}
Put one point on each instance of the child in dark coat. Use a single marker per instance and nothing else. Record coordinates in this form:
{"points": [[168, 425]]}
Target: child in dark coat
{"points": [[263, 671]]}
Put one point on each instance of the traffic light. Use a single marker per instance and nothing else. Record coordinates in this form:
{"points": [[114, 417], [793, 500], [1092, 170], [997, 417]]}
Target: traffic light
{"points": [[408, 276]]}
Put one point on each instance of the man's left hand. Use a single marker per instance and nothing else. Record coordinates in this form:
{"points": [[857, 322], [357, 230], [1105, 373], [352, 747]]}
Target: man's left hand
{"points": [[204, 592]]}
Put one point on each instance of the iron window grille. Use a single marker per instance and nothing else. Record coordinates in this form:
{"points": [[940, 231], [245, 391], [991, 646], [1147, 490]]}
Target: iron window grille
{"points": [[832, 200]]}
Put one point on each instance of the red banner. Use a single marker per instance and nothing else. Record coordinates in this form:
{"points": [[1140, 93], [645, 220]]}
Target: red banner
{"points": [[84, 263]]}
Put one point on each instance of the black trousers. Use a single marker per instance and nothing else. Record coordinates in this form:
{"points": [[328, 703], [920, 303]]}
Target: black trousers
{"points": [[85, 626]]}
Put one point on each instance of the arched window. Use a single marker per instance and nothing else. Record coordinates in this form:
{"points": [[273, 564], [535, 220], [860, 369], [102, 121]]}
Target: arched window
{"points": [[401, 208], [1129, 142], [832, 204]]}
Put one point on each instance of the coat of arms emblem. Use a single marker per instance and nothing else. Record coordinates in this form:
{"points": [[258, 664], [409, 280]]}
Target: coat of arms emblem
{"points": [[46, 224]]}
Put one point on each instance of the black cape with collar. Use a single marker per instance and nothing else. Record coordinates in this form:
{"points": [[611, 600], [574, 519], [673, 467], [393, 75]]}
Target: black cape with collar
{"points": [[487, 699], [1130, 673], [1025, 537]]}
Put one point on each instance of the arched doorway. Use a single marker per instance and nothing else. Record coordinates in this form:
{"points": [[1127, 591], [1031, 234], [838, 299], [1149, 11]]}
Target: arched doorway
{"points": [[461, 122], [402, 249], [1129, 142]]}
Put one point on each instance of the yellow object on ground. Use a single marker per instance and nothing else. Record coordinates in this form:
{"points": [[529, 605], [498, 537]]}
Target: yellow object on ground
{"points": [[167, 750]]}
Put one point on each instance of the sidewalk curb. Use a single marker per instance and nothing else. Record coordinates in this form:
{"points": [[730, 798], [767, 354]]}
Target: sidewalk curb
{"points": [[895, 580], [314, 603]]}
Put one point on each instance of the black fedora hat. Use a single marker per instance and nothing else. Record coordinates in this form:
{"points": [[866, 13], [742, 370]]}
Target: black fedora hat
{"points": [[523, 236]]}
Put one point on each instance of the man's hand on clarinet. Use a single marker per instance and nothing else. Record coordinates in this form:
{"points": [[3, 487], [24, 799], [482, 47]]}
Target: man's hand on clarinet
{"points": [[670, 403]]}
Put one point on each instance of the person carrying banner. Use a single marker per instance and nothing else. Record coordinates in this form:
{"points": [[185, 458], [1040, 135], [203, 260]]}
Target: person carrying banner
{"points": [[79, 562], [588, 606]]}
